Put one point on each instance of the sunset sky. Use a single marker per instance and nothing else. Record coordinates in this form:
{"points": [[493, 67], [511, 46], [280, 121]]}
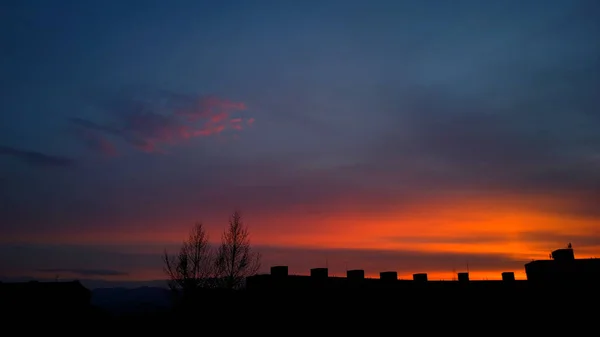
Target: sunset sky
{"points": [[416, 136]]}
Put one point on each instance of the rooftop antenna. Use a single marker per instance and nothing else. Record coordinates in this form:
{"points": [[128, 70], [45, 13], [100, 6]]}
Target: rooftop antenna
{"points": [[569, 246]]}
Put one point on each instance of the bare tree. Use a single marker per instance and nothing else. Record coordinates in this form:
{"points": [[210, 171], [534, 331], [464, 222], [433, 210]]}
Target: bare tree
{"points": [[235, 258], [193, 267]]}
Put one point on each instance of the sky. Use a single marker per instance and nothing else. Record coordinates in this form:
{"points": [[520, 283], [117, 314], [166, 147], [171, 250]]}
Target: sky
{"points": [[432, 136]]}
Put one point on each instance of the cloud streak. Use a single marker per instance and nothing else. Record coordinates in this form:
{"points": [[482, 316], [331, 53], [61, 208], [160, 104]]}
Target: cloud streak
{"points": [[84, 272], [152, 123], [145, 260], [36, 159]]}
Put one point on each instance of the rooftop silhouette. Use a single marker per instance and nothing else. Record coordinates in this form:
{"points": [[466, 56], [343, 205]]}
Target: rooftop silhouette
{"points": [[310, 299], [561, 269]]}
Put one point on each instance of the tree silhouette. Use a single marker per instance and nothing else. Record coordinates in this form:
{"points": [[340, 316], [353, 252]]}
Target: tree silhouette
{"points": [[193, 267], [235, 258]]}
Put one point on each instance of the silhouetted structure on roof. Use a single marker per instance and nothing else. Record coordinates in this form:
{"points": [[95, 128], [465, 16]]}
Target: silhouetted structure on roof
{"points": [[319, 273], [420, 277], [463, 277], [508, 276], [388, 276], [279, 271], [564, 269], [355, 275]]}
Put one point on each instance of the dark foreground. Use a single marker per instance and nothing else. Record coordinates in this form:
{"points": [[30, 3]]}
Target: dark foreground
{"points": [[467, 311]]}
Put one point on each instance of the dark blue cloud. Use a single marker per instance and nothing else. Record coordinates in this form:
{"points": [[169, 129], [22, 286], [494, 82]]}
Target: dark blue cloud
{"points": [[35, 158]]}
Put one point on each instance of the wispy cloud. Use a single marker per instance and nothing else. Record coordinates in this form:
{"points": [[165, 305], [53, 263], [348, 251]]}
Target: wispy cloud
{"points": [[139, 261], [98, 142], [165, 119], [550, 239], [84, 272], [35, 158], [301, 260]]}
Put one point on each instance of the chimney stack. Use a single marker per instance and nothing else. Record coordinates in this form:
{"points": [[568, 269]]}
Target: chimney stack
{"points": [[508, 276], [279, 271], [388, 276], [420, 277], [356, 274], [320, 273]]}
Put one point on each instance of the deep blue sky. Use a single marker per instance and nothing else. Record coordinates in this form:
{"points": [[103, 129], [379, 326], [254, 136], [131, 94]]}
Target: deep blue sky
{"points": [[356, 107]]}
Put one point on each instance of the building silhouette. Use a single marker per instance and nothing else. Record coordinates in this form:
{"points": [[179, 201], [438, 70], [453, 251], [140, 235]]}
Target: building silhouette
{"points": [[564, 269]]}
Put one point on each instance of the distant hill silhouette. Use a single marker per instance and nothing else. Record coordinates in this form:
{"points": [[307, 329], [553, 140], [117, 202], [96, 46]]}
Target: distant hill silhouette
{"points": [[92, 283], [131, 300]]}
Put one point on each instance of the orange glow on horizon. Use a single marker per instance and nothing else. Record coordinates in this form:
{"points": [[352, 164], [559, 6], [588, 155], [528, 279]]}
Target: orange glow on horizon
{"points": [[157, 274], [461, 227], [508, 226]]}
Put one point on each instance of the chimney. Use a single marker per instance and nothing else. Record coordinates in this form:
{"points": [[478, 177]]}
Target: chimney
{"points": [[356, 274], [319, 273], [508, 276], [388, 276], [420, 277], [463, 277], [279, 271]]}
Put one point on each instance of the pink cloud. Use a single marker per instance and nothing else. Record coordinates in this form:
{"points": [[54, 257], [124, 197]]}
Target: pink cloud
{"points": [[211, 107], [107, 147], [99, 143], [149, 128]]}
